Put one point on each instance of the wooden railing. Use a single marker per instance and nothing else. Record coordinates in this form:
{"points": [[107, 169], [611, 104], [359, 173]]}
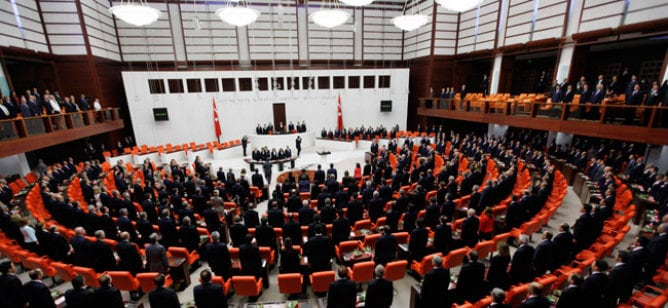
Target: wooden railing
{"points": [[610, 120]]}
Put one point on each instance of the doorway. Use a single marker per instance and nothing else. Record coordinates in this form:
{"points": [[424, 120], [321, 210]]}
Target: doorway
{"points": [[279, 117]]}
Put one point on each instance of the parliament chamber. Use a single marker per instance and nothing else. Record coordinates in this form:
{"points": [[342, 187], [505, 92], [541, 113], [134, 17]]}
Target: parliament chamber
{"points": [[334, 153]]}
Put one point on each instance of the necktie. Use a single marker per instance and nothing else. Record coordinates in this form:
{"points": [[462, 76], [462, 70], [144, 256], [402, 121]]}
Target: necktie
{"points": [[4, 109]]}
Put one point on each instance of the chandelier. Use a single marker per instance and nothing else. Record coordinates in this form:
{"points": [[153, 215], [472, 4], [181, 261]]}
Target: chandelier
{"points": [[136, 13], [459, 5], [239, 15], [412, 21], [357, 2], [329, 15]]}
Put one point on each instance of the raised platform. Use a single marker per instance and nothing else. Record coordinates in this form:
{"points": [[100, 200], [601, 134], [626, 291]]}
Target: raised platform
{"points": [[280, 141]]}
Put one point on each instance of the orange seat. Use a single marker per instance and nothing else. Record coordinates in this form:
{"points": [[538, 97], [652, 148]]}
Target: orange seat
{"points": [[646, 295], [124, 281], [424, 265], [247, 285], [362, 224], [64, 271], [517, 294], [320, 281], [547, 281], [370, 240], [147, 284], [290, 283], [395, 270], [182, 252], [485, 248], [361, 272], [268, 254], [221, 282], [402, 237], [455, 258], [89, 275], [42, 263], [346, 247]]}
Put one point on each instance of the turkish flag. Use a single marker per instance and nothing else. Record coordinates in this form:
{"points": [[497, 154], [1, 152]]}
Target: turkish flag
{"points": [[339, 115], [216, 123]]}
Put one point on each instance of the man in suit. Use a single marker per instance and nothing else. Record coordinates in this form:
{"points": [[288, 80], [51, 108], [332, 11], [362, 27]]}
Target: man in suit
{"points": [[292, 229], [633, 99], [332, 171], [583, 227], [638, 258], [188, 235], [386, 247], [82, 249], [319, 250], [275, 214], [471, 279], [470, 228], [342, 293], [106, 296], [161, 296], [265, 235], [249, 255], [498, 297], [78, 296], [319, 176], [37, 294], [443, 236], [251, 217], [306, 213], [167, 229], [596, 98], [156, 256], [130, 260], [435, 284], [571, 296], [521, 267], [417, 244], [340, 228], [620, 282], [594, 287], [542, 257], [535, 299], [102, 254], [11, 290], [218, 256], [563, 246], [207, 294], [380, 291], [657, 247], [238, 232]]}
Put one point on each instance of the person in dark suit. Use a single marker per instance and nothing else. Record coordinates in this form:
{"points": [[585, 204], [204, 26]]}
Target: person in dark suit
{"points": [[82, 249], [319, 176], [571, 296], [218, 256], [290, 258], [319, 250], [265, 235], [106, 296], [11, 290], [536, 298], [380, 291], [563, 247], [417, 244], [102, 253], [161, 296], [342, 293], [497, 275], [594, 287], [542, 257], [620, 281], [435, 284], [251, 217], [36, 292], [130, 259], [470, 226], [443, 236], [294, 201], [168, 231], [340, 228], [249, 255], [583, 227], [658, 248], [471, 280], [292, 229], [386, 247], [78, 296], [638, 258], [521, 267], [498, 297], [238, 232], [156, 256], [188, 235], [634, 99], [207, 294], [306, 213], [276, 216]]}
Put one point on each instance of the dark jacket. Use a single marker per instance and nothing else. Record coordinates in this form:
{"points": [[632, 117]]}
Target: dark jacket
{"points": [[342, 293], [209, 295], [379, 293], [163, 297]]}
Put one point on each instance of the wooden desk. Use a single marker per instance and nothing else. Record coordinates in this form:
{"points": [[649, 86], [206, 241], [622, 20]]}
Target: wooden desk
{"points": [[179, 270], [288, 304], [416, 299], [350, 258]]}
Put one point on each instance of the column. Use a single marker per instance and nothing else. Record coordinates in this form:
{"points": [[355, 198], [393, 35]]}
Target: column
{"points": [[565, 60], [496, 74]]}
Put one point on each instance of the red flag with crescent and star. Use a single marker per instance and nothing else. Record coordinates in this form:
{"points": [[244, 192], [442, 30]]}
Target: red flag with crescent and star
{"points": [[216, 123], [339, 115]]}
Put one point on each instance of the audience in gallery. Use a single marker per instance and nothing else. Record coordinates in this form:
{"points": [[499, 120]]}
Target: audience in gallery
{"points": [[269, 128], [358, 132], [33, 103], [163, 192]]}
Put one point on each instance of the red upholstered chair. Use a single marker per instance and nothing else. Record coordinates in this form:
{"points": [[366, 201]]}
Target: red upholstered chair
{"points": [[64, 271], [182, 252], [268, 254], [124, 281], [370, 240], [484, 302], [346, 247], [463, 305], [547, 281], [221, 282], [363, 224], [290, 283], [424, 265], [361, 272], [562, 277], [247, 285], [485, 248], [646, 296], [381, 221], [42, 263], [402, 237], [89, 275], [455, 258], [517, 294], [147, 284], [320, 281], [395, 270]]}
